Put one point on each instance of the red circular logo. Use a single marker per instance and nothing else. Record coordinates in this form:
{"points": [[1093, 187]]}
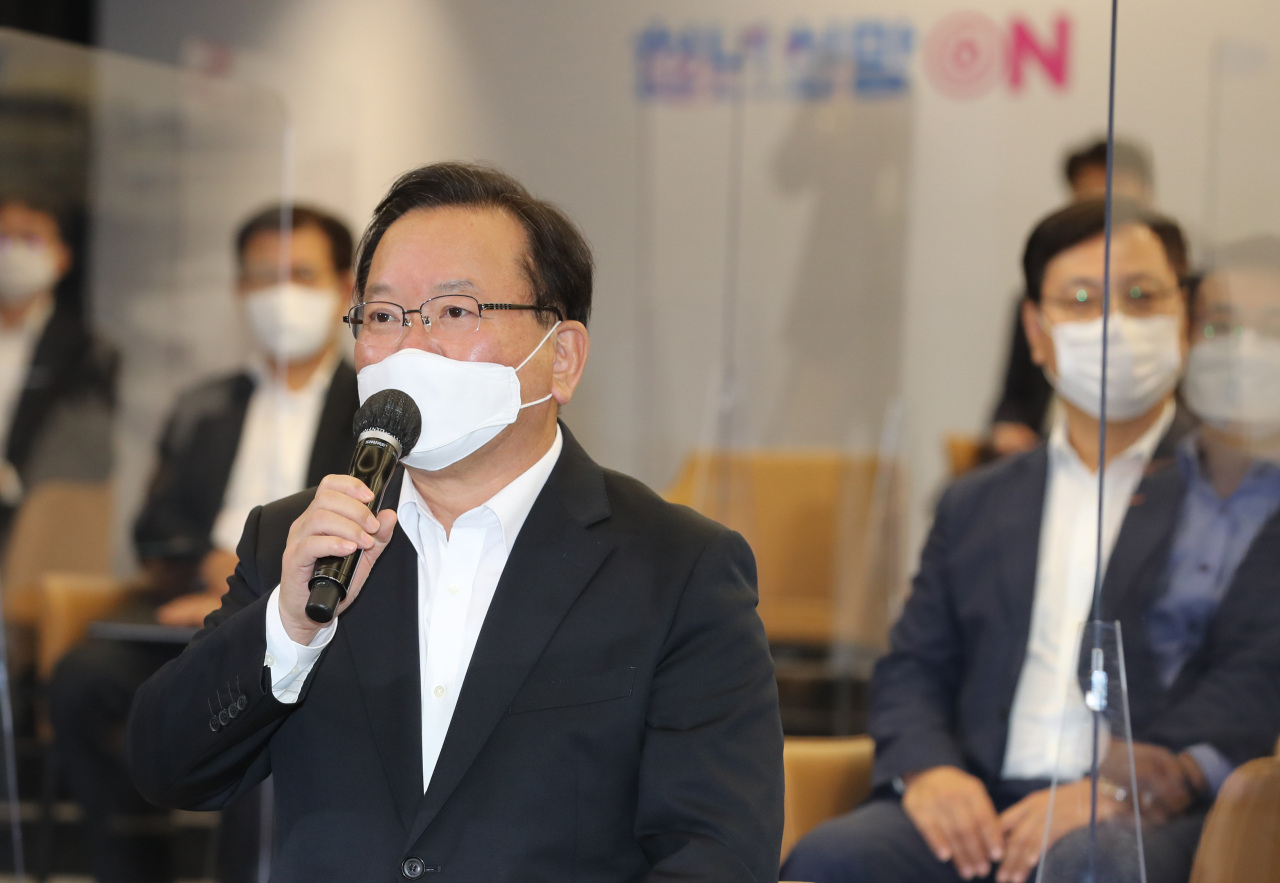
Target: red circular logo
{"points": [[964, 55]]}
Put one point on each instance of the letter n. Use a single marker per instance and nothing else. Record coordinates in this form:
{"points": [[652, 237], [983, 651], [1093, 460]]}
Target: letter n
{"points": [[1054, 59]]}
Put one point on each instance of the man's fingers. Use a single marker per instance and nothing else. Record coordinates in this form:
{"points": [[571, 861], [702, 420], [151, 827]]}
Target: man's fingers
{"points": [[966, 841], [387, 519], [346, 506], [332, 524], [346, 484], [1021, 851], [927, 825]]}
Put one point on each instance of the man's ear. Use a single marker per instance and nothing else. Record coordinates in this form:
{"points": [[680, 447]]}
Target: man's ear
{"points": [[570, 344], [1037, 338]]}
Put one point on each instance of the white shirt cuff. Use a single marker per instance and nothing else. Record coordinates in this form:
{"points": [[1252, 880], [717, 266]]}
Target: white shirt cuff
{"points": [[289, 661]]}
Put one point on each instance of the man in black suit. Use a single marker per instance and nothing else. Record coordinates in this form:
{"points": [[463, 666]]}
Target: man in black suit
{"points": [[967, 704], [232, 443], [542, 670], [57, 381]]}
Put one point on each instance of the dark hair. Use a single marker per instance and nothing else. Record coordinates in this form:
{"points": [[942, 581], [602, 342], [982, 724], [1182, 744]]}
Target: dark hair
{"points": [[294, 217], [1128, 157], [1081, 221], [558, 264]]}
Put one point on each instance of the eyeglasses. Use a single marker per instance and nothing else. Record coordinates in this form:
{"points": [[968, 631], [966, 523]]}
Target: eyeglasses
{"points": [[1082, 302], [448, 317]]}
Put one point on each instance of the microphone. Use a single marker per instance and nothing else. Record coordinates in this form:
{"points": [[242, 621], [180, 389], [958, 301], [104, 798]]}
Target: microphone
{"points": [[386, 427]]}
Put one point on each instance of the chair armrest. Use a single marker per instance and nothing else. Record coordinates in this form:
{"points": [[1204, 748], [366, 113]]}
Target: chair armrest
{"points": [[1238, 844], [69, 602], [825, 777]]}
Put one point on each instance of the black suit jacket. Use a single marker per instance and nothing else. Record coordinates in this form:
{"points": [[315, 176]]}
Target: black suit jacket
{"points": [[944, 692], [618, 722], [198, 449], [61, 427]]}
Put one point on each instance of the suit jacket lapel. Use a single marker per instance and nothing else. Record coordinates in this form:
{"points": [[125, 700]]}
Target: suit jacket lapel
{"points": [[1020, 516], [553, 559], [380, 632], [62, 339], [331, 451], [1149, 522]]}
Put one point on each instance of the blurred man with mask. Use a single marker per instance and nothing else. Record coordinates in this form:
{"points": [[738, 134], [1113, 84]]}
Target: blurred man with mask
{"points": [[968, 704], [57, 382], [232, 443], [1020, 417]]}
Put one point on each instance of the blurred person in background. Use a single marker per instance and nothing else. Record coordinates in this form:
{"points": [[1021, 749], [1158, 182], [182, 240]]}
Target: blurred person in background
{"points": [[57, 380], [1020, 417], [231, 443], [967, 705]]}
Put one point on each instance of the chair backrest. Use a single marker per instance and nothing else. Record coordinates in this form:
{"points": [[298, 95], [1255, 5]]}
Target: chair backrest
{"points": [[825, 777], [821, 527], [1239, 842], [61, 526]]}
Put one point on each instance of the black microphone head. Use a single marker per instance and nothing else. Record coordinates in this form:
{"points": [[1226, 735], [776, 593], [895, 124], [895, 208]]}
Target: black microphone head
{"points": [[394, 413]]}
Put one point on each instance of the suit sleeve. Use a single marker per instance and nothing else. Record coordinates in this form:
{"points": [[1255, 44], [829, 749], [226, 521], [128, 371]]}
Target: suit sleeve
{"points": [[1232, 702], [176, 754], [710, 778], [915, 686]]}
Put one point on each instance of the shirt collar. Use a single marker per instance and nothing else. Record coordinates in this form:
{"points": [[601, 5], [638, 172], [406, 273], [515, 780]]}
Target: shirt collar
{"points": [[265, 378], [33, 323], [1263, 475], [511, 505], [1142, 450]]}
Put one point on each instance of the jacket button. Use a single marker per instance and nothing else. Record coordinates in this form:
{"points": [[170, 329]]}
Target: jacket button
{"points": [[412, 867]]}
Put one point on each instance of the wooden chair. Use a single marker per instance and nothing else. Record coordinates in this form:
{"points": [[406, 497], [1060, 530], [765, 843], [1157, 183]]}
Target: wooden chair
{"points": [[1239, 842], [824, 778], [823, 526], [62, 527], [964, 452]]}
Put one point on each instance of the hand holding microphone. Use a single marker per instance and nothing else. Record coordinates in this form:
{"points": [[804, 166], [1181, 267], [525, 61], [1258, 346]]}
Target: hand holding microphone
{"points": [[335, 542]]}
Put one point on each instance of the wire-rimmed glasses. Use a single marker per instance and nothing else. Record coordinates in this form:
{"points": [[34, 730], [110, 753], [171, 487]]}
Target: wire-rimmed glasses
{"points": [[449, 316]]}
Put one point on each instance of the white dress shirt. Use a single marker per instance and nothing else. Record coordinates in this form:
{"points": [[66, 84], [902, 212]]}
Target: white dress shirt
{"points": [[17, 346], [1048, 700], [457, 577], [275, 446]]}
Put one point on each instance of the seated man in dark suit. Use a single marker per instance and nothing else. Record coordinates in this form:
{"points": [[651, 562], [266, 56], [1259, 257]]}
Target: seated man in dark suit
{"points": [[57, 381], [967, 705], [232, 443], [542, 670]]}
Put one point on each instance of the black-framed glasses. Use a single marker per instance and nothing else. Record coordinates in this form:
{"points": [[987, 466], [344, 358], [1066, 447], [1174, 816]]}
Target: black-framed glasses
{"points": [[449, 316]]}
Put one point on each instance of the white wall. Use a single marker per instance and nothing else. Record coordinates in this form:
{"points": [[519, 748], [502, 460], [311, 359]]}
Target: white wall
{"points": [[546, 89]]}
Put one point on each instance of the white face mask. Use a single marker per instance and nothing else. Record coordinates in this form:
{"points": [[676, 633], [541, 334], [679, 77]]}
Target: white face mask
{"points": [[292, 322], [1233, 382], [26, 268], [463, 404], [1144, 360]]}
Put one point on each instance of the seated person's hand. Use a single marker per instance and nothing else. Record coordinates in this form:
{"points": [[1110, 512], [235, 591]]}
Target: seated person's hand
{"points": [[189, 609], [1166, 781], [1022, 825], [953, 812], [1013, 438]]}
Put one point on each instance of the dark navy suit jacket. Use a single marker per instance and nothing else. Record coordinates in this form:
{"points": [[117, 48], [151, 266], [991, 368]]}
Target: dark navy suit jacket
{"points": [[944, 692]]}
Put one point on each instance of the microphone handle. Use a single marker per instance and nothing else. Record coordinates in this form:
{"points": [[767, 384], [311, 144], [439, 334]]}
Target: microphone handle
{"points": [[373, 462]]}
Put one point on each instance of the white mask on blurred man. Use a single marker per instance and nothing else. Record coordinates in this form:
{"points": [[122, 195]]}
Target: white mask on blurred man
{"points": [[1144, 360], [26, 268], [292, 322], [1233, 382]]}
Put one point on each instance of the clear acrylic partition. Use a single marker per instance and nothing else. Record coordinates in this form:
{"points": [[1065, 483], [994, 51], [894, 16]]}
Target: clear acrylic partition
{"points": [[832, 206], [1215, 175], [788, 149], [149, 169]]}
